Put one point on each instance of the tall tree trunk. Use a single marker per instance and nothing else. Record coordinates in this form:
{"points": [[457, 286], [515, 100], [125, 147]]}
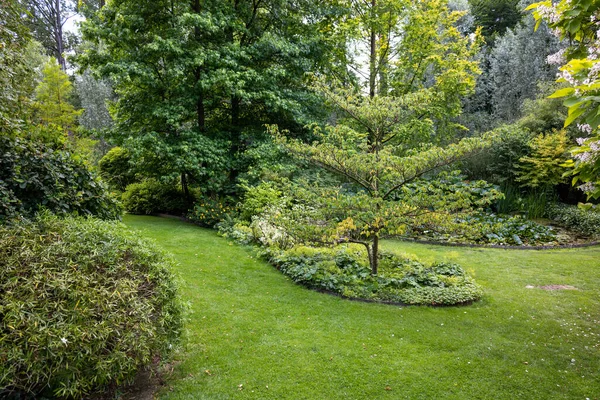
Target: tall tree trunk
{"points": [[373, 55], [200, 111], [58, 33]]}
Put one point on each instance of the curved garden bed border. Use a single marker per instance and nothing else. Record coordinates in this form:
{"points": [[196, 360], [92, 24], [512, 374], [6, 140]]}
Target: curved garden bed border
{"points": [[498, 246]]}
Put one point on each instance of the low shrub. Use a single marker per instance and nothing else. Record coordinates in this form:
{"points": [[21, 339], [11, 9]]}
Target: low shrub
{"points": [[403, 280], [585, 222], [488, 229], [115, 168], [36, 176], [258, 199], [210, 211], [84, 303], [151, 197]]}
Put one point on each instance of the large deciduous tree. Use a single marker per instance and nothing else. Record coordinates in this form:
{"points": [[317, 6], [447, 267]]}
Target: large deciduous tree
{"points": [[194, 77], [420, 66]]}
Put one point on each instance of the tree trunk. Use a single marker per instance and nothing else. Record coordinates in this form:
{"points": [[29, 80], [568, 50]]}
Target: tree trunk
{"points": [[373, 56], [58, 34], [184, 186], [374, 256]]}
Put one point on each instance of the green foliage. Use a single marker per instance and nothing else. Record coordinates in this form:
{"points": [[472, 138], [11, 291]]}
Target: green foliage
{"points": [[84, 304], [544, 167], [115, 168], [35, 176], [484, 229], [52, 106], [497, 163], [258, 198], [151, 196], [585, 222], [576, 20], [347, 272], [495, 16], [210, 211], [542, 114], [530, 203], [195, 80], [15, 73]]}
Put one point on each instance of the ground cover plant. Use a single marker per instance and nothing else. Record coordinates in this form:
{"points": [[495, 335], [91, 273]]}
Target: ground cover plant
{"points": [[400, 279], [255, 334], [84, 304]]}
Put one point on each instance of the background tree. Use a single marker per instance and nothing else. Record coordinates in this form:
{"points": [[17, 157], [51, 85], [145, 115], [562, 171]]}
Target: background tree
{"points": [[15, 72], [47, 21], [196, 81], [495, 16], [52, 99]]}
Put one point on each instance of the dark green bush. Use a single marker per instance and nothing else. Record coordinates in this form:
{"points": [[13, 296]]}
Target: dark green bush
{"points": [[115, 168], [402, 280], [586, 222], [84, 303], [35, 176], [151, 197]]}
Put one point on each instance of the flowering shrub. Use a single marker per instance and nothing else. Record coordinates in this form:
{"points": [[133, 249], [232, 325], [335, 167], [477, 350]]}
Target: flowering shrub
{"points": [[209, 212], [579, 22], [84, 304]]}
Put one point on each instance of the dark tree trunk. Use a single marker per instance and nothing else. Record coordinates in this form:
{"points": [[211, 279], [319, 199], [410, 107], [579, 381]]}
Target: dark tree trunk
{"points": [[374, 259], [58, 35], [184, 186], [373, 56]]}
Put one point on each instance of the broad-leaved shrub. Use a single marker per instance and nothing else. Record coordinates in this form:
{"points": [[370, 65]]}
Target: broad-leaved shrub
{"points": [[151, 197], [34, 176]]}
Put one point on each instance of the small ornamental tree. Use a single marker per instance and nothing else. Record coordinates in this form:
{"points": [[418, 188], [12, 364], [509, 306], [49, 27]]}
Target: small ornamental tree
{"points": [[578, 21], [420, 66], [366, 209]]}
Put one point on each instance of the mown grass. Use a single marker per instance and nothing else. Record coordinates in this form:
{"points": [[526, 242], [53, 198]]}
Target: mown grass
{"points": [[254, 334]]}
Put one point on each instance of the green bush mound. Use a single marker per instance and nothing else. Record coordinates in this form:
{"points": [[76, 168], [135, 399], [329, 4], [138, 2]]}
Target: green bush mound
{"points": [[115, 168], [151, 197], [35, 176], [400, 279], [84, 304], [488, 229], [581, 220]]}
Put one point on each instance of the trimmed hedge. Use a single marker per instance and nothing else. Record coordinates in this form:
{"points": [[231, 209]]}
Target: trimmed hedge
{"points": [[84, 304]]}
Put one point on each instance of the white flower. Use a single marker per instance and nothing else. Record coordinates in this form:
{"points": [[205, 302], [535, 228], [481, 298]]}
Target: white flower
{"points": [[64, 340], [557, 58], [586, 128]]}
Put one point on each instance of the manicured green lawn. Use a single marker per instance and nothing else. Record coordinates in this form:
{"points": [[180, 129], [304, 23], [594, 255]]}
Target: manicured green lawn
{"points": [[253, 334]]}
